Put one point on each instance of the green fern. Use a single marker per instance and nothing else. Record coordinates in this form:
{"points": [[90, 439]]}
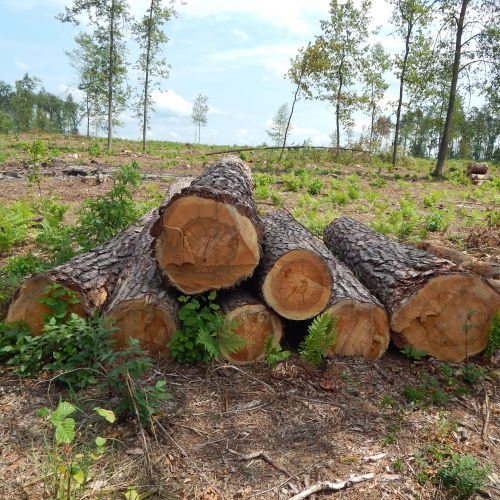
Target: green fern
{"points": [[320, 338], [494, 338], [274, 354]]}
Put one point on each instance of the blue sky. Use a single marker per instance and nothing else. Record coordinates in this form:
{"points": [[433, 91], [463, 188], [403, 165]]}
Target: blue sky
{"points": [[234, 51]]}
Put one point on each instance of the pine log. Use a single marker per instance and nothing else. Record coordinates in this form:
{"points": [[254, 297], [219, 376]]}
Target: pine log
{"points": [[255, 323], [142, 306], [362, 322], [92, 276], [478, 179], [434, 306], [294, 277], [477, 168], [207, 236]]}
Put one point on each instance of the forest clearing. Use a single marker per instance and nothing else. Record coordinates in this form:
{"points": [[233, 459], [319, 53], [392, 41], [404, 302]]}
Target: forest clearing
{"points": [[405, 424]]}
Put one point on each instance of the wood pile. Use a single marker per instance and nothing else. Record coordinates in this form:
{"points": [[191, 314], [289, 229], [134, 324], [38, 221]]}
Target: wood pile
{"points": [[207, 235], [478, 173]]}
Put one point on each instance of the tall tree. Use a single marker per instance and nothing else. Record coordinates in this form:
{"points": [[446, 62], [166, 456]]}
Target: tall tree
{"points": [[199, 113], [474, 24], [409, 17], [22, 103], [377, 63], [109, 19], [336, 59], [151, 39]]}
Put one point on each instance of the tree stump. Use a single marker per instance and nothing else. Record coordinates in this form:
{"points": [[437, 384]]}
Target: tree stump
{"points": [[207, 236], [294, 277], [477, 168], [362, 322], [256, 322], [92, 276], [142, 306], [434, 306]]}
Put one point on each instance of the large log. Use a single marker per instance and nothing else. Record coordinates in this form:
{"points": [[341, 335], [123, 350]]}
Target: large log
{"points": [[207, 236], [92, 276], [362, 322], [142, 306], [434, 306], [255, 323], [294, 277]]}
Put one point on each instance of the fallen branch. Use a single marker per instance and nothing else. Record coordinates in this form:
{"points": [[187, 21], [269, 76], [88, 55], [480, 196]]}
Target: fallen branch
{"points": [[486, 411], [327, 485], [260, 148], [264, 456]]}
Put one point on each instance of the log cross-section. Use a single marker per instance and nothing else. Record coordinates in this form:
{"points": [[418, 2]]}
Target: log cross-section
{"points": [[294, 277], [207, 236], [434, 306]]}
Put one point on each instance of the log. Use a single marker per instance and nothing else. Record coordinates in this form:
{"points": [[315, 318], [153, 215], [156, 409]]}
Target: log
{"points": [[434, 306], [477, 168], [256, 322], [207, 236], [92, 276], [294, 277], [362, 322], [142, 306], [478, 179]]}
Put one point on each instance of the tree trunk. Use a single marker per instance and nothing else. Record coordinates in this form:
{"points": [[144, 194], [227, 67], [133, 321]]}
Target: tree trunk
{"points": [[92, 276], [88, 115], [290, 118], [401, 89], [443, 146], [433, 305], [146, 79], [110, 74], [207, 236], [142, 307], [293, 277], [362, 322], [372, 121], [255, 323]]}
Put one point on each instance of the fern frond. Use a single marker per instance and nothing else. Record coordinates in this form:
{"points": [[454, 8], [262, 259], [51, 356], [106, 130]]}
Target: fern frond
{"points": [[228, 341], [320, 338]]}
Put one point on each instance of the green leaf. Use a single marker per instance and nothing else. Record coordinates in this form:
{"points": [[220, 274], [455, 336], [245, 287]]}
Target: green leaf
{"points": [[43, 412], [63, 410], [65, 431], [131, 494], [79, 476], [160, 384], [100, 441], [106, 414]]}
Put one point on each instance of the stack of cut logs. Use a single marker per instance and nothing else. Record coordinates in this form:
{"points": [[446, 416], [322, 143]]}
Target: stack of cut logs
{"points": [[207, 235], [478, 173]]}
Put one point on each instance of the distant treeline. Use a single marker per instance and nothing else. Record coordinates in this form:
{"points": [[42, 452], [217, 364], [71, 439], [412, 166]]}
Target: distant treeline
{"points": [[27, 106]]}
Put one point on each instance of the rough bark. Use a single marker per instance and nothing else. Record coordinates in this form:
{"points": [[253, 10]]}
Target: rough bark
{"points": [[207, 236], [477, 168], [434, 306], [362, 322], [255, 323], [92, 276], [293, 277], [142, 306]]}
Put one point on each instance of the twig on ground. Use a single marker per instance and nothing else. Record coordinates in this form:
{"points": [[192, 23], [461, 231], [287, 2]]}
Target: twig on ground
{"points": [[327, 485], [486, 418], [263, 455], [244, 373]]}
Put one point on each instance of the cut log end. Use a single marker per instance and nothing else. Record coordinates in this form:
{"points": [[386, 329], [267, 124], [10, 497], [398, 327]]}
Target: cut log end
{"points": [[206, 245], [255, 324], [362, 329], [299, 285], [151, 324], [26, 305], [448, 318]]}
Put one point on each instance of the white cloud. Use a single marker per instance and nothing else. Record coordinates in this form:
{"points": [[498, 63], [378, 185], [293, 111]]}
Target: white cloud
{"points": [[240, 35], [21, 65], [172, 103]]}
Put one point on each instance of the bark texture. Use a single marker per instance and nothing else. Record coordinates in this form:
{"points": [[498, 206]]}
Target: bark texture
{"points": [[208, 235], [362, 322], [142, 306], [434, 306], [92, 276], [255, 323], [477, 168], [293, 277]]}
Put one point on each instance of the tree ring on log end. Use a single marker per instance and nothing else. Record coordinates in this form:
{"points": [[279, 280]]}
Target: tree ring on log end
{"points": [[298, 286], [152, 325], [26, 305], [448, 318], [362, 329], [256, 323], [205, 244]]}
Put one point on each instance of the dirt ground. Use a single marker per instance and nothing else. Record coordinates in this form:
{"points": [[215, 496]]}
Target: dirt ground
{"points": [[349, 417]]}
